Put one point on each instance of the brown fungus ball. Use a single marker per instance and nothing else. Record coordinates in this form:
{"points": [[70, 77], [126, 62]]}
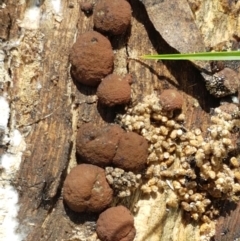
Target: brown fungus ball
{"points": [[114, 90], [116, 224], [98, 145], [91, 58], [112, 16], [229, 108], [171, 100], [85, 189], [86, 7], [132, 152]]}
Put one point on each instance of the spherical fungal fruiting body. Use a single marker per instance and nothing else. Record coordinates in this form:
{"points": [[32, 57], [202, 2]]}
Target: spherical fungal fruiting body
{"points": [[91, 58], [97, 145], [112, 16], [114, 90], [116, 224], [171, 100], [85, 189], [132, 152]]}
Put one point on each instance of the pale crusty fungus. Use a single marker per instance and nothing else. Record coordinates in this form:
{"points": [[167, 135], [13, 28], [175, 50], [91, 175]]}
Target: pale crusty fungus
{"points": [[116, 224], [223, 83], [112, 16], [195, 169], [97, 145], [114, 90], [91, 58], [132, 152], [85, 189], [123, 183], [171, 99]]}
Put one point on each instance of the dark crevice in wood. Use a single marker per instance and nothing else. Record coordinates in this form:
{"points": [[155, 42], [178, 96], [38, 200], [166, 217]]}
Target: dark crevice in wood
{"points": [[189, 78]]}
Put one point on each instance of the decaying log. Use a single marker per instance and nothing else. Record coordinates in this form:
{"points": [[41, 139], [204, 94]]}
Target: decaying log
{"points": [[47, 107]]}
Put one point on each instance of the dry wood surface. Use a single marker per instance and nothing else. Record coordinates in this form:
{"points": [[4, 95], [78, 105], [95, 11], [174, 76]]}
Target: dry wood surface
{"points": [[47, 107]]}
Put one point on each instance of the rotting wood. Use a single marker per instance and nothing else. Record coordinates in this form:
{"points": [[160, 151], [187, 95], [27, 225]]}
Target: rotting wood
{"points": [[48, 108]]}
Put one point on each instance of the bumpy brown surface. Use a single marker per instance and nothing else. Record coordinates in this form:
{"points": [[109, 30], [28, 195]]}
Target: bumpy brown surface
{"points": [[229, 108], [91, 58], [114, 90], [97, 145], [171, 100], [116, 224], [132, 152], [112, 16], [86, 189]]}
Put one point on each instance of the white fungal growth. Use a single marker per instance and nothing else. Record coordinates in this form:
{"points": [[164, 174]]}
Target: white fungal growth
{"points": [[56, 4], [9, 164], [32, 15], [5, 111], [8, 214], [235, 99]]}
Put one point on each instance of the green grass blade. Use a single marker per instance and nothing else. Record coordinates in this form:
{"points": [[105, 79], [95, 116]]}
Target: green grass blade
{"points": [[228, 55]]}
